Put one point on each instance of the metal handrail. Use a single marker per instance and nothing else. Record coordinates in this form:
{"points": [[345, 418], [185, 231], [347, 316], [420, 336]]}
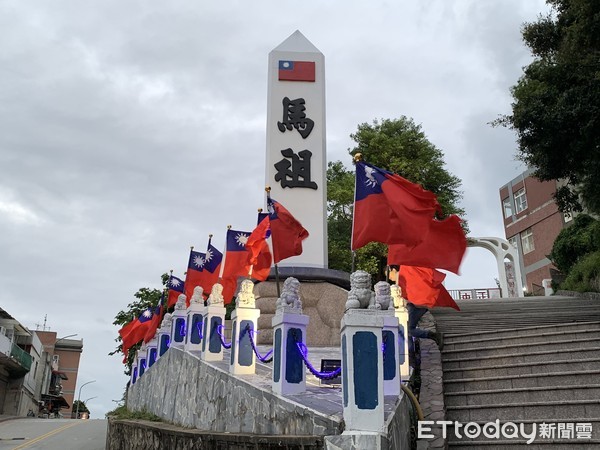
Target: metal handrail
{"points": [[21, 356]]}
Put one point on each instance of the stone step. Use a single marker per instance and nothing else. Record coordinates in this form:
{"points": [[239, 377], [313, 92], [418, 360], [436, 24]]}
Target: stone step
{"points": [[533, 337], [580, 378], [463, 337], [559, 411], [529, 356], [526, 395], [489, 350], [563, 365]]}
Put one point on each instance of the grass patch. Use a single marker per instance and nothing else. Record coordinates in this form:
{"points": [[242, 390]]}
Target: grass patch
{"points": [[121, 412], [584, 276]]}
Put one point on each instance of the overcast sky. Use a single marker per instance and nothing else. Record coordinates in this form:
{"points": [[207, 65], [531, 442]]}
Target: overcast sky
{"points": [[131, 130]]}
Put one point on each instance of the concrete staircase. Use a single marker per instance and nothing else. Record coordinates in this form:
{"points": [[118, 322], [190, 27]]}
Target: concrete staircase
{"points": [[527, 361]]}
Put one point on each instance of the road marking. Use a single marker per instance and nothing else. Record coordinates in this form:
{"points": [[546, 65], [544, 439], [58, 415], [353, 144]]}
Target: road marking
{"points": [[47, 435]]}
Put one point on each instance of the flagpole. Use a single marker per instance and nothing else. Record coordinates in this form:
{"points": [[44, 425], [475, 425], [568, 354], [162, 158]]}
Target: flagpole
{"points": [[268, 191], [356, 158], [224, 255]]}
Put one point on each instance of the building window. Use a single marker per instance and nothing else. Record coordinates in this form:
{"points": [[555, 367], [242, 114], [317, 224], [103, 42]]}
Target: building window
{"points": [[507, 207], [520, 200], [527, 241]]}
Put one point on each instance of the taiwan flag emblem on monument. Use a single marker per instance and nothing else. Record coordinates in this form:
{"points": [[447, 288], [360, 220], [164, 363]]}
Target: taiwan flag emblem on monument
{"points": [[296, 70]]}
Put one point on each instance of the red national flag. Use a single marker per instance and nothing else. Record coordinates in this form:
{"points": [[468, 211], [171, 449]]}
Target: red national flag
{"points": [[390, 209], [423, 286], [138, 330], [296, 71], [287, 233], [154, 324], [443, 247], [255, 241], [194, 276], [236, 258], [260, 257], [262, 266]]}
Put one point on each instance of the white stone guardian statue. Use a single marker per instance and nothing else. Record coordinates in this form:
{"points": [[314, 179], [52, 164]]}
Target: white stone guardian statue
{"points": [[216, 295], [197, 295], [360, 295], [245, 298], [290, 297], [383, 297]]}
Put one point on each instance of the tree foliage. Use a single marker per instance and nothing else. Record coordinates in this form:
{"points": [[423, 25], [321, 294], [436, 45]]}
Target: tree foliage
{"points": [[146, 298], [556, 108], [82, 407], [400, 146], [575, 242]]}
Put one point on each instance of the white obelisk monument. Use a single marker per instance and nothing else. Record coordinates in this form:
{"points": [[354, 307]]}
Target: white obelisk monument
{"points": [[296, 157]]}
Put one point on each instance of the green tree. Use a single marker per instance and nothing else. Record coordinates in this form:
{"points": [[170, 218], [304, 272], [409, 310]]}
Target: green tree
{"points": [[399, 146], [146, 298], [575, 242], [556, 107], [82, 407]]}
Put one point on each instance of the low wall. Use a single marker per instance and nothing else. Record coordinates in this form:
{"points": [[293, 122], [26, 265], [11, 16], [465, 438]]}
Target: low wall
{"points": [[143, 435], [185, 391]]}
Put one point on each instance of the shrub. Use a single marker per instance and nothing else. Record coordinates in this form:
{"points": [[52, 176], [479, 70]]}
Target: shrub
{"points": [[584, 276], [574, 242]]}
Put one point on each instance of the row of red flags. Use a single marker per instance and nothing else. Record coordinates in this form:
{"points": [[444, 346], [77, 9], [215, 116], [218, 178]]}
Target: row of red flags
{"points": [[247, 254], [387, 209]]}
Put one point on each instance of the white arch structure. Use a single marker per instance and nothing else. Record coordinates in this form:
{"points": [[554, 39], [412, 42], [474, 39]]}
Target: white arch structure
{"points": [[502, 249]]}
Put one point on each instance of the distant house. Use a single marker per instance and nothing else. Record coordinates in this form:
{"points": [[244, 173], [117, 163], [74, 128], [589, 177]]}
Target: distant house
{"points": [[531, 223], [64, 355], [38, 372]]}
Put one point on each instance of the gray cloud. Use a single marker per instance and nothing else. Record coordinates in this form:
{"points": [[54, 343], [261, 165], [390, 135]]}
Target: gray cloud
{"points": [[130, 131]]}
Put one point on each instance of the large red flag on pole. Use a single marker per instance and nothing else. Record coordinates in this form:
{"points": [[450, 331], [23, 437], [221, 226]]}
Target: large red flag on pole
{"points": [[422, 286], [287, 233], [390, 209], [443, 247]]}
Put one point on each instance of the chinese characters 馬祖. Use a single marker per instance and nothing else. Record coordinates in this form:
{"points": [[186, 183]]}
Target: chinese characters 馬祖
{"points": [[295, 173], [295, 117]]}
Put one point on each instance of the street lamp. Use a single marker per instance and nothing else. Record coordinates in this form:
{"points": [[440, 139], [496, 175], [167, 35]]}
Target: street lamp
{"points": [[79, 397]]}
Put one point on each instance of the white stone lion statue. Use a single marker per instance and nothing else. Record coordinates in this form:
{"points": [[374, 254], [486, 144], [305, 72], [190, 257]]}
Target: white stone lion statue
{"points": [[245, 298], [290, 295], [181, 302], [197, 296], [216, 295], [360, 295], [383, 297], [399, 301]]}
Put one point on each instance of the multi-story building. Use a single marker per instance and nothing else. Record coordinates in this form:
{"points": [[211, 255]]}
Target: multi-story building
{"points": [[531, 223], [38, 372], [64, 355]]}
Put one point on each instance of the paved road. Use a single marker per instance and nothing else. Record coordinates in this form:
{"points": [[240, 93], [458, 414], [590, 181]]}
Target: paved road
{"points": [[52, 434]]}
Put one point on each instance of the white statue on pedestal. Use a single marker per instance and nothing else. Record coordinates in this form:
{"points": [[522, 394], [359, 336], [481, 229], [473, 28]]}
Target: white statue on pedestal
{"points": [[383, 297], [245, 298], [181, 300], [399, 301], [165, 325], [290, 297], [216, 295], [360, 295], [197, 296]]}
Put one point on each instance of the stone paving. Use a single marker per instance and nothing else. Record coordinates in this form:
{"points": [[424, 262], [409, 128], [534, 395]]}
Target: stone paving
{"points": [[326, 399]]}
